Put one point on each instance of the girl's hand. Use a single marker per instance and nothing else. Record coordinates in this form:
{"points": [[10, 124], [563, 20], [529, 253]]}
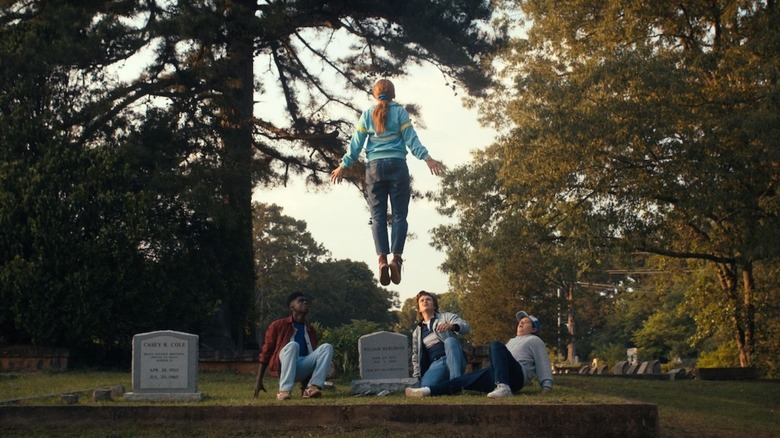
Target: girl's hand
{"points": [[337, 175], [437, 167]]}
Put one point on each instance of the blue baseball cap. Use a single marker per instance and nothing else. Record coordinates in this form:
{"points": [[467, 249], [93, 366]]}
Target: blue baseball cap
{"points": [[534, 320]]}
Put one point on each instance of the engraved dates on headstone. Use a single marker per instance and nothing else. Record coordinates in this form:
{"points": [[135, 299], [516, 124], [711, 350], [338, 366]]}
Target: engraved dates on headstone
{"points": [[165, 366], [164, 363], [384, 355]]}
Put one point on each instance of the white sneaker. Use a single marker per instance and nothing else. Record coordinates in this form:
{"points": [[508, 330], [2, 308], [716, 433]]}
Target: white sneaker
{"points": [[418, 392], [502, 390]]}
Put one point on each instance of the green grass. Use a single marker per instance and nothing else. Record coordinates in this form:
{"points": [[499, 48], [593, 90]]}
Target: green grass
{"points": [[686, 407], [696, 407]]}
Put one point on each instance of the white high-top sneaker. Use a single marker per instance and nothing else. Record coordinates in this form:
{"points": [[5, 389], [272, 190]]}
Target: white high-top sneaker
{"points": [[502, 390]]}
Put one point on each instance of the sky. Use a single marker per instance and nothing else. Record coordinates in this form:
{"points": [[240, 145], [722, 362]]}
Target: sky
{"points": [[337, 217]]}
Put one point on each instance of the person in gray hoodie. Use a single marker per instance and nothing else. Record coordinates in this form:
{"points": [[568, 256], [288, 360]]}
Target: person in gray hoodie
{"points": [[512, 366], [436, 352]]}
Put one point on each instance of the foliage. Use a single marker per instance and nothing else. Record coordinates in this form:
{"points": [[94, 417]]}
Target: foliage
{"points": [[344, 338], [288, 260], [489, 254], [724, 356], [135, 132], [407, 316], [98, 234], [284, 253], [651, 123], [344, 289]]}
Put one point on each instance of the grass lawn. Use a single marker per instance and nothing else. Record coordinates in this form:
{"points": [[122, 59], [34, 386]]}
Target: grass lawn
{"points": [[686, 407]]}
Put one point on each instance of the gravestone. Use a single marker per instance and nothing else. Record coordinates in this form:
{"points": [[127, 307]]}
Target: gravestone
{"points": [[384, 364], [632, 369], [620, 368], [165, 367], [650, 367]]}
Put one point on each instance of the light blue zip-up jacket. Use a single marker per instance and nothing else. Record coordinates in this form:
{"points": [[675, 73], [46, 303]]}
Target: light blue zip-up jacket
{"points": [[399, 134]]}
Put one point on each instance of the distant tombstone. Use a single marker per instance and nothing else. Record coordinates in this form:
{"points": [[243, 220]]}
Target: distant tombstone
{"points": [[601, 370], [632, 369], [620, 368], [678, 374], [653, 367], [384, 363], [632, 355], [584, 370], [650, 367], [165, 367]]}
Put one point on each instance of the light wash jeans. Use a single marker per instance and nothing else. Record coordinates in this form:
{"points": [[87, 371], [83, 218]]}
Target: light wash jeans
{"points": [[296, 368], [388, 178], [449, 366]]}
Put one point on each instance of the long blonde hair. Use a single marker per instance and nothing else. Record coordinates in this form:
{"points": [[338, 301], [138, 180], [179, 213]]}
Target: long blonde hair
{"points": [[384, 92]]}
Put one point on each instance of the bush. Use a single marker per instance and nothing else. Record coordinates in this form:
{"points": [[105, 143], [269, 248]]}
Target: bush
{"points": [[346, 357], [726, 355]]}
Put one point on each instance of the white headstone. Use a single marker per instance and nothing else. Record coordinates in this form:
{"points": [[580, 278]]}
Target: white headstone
{"points": [[384, 355], [165, 367], [384, 364]]}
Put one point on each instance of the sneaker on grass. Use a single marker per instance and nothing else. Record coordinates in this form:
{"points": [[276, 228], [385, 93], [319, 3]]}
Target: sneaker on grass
{"points": [[502, 390], [418, 392]]}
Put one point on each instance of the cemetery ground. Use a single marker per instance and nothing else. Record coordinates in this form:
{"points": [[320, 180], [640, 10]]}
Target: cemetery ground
{"points": [[685, 407]]}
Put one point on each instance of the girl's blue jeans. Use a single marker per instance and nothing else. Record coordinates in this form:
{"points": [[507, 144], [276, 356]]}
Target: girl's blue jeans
{"points": [[388, 179]]}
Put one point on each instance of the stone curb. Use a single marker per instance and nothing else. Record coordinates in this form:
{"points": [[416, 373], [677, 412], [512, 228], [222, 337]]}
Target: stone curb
{"points": [[569, 420]]}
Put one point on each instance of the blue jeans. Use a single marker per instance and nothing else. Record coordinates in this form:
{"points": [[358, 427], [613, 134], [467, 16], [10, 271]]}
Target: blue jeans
{"points": [[388, 178], [503, 369], [296, 368], [449, 366]]}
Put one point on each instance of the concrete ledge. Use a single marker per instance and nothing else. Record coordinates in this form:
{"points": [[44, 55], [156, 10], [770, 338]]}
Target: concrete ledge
{"points": [[569, 420]]}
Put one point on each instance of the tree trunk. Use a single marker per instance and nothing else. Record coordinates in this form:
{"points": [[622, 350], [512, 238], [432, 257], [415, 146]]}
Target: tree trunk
{"points": [[743, 312], [749, 312], [236, 129], [571, 350]]}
